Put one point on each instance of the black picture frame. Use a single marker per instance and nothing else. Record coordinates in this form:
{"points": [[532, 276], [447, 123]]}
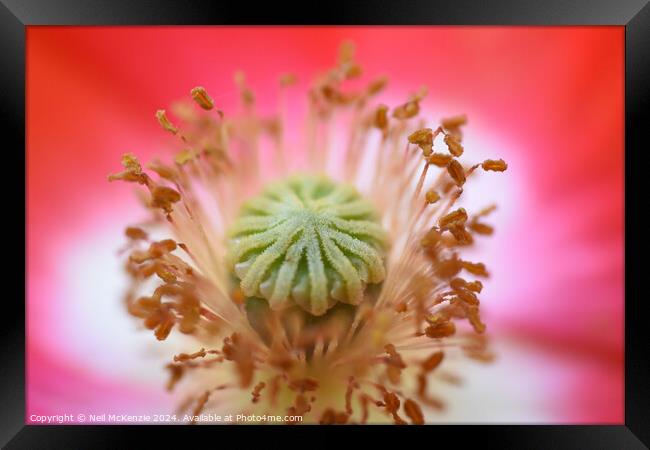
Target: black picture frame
{"points": [[634, 15]]}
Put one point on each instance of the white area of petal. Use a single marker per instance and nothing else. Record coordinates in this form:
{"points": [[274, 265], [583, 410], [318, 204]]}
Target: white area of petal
{"points": [[516, 388]]}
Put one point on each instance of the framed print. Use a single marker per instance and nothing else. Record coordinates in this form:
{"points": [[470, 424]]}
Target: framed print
{"points": [[419, 214]]}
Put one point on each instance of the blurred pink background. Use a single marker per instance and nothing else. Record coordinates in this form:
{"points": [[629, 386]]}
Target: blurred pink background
{"points": [[549, 100]]}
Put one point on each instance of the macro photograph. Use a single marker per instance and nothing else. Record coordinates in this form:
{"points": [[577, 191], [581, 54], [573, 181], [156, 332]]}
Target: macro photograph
{"points": [[327, 224], [356, 224]]}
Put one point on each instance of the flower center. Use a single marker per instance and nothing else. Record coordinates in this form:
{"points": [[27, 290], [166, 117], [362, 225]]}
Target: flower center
{"points": [[307, 241]]}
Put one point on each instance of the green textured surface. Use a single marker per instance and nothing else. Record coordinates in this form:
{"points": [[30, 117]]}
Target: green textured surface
{"points": [[309, 241]]}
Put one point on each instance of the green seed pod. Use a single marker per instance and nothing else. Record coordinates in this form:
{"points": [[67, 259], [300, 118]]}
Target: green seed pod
{"points": [[307, 241]]}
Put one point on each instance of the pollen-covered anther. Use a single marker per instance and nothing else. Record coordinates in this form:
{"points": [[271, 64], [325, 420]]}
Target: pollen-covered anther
{"points": [[456, 217], [486, 211], [257, 391], [132, 171], [161, 320], [432, 197], [448, 268], [392, 404], [475, 319], [424, 139], [307, 241], [201, 97], [439, 159], [432, 361], [163, 171], [459, 283], [353, 70], [455, 148], [477, 349], [481, 228], [407, 110], [440, 329], [414, 412], [466, 296], [376, 85], [182, 357], [184, 156], [380, 118], [160, 248], [451, 123], [497, 165], [431, 238], [452, 126], [462, 236], [164, 121], [163, 197], [456, 172], [135, 233], [475, 268]]}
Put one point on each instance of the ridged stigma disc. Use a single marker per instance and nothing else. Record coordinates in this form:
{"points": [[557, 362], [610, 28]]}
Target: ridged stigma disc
{"points": [[308, 241]]}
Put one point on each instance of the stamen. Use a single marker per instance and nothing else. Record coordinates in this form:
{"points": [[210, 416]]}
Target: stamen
{"points": [[392, 403], [182, 357], [184, 156], [481, 228], [440, 329], [459, 283], [407, 110], [257, 391], [432, 197], [439, 159], [424, 139], [498, 165], [414, 412], [165, 122], [202, 98], [456, 172], [475, 268], [163, 197], [432, 361], [136, 233], [457, 217], [453, 145], [460, 234], [381, 118], [377, 85], [451, 123]]}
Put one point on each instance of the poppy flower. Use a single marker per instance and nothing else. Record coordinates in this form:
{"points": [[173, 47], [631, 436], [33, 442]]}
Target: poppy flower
{"points": [[331, 276]]}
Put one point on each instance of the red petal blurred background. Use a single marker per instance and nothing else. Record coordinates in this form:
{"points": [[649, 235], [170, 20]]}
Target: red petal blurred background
{"points": [[549, 100]]}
